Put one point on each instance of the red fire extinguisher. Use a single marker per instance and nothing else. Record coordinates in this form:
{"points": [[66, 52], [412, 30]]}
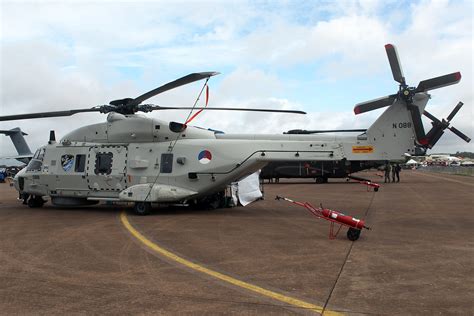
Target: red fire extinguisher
{"points": [[343, 218]]}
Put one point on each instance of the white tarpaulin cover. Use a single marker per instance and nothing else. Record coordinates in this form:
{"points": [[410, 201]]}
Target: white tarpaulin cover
{"points": [[411, 162], [248, 189]]}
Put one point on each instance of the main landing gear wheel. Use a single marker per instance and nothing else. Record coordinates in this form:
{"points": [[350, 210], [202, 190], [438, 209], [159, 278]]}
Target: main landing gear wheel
{"points": [[142, 208], [353, 234], [35, 201]]}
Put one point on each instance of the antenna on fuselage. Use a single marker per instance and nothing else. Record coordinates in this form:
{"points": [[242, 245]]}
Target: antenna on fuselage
{"points": [[52, 137]]}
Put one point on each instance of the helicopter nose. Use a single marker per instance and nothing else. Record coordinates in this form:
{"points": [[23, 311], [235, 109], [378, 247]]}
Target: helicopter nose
{"points": [[18, 180]]}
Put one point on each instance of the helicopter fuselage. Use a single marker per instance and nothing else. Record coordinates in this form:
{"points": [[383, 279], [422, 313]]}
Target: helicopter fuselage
{"points": [[135, 158]]}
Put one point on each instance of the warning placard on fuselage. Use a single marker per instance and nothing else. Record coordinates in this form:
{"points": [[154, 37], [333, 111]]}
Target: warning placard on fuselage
{"points": [[362, 149]]}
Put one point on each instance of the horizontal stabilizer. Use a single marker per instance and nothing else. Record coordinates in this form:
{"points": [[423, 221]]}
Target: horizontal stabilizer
{"points": [[12, 131]]}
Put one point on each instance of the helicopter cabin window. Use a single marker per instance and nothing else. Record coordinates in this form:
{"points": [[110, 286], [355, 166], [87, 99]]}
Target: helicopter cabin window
{"points": [[80, 163], [103, 163], [166, 163]]}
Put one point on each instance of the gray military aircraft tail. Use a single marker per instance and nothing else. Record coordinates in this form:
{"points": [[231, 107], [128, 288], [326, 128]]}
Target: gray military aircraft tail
{"points": [[24, 152]]}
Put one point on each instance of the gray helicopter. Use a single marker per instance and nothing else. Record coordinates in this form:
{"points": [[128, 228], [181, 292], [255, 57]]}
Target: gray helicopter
{"points": [[133, 158]]}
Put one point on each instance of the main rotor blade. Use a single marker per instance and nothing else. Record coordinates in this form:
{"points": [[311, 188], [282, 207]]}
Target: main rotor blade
{"points": [[431, 117], [46, 114], [374, 104], [157, 107], [417, 124], [434, 135], [173, 84], [438, 82], [303, 131], [460, 134], [454, 111], [394, 63]]}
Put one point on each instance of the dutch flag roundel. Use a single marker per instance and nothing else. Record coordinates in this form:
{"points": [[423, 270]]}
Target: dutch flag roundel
{"points": [[205, 157]]}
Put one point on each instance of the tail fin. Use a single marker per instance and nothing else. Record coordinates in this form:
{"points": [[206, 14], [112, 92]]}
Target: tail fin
{"points": [[16, 135], [393, 133]]}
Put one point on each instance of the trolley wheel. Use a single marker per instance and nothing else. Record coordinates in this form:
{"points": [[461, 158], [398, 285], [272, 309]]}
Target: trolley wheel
{"points": [[353, 234], [376, 189], [142, 208], [319, 180]]}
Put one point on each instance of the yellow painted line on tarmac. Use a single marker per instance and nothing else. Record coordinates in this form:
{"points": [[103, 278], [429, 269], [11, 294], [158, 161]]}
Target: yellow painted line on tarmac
{"points": [[276, 296], [444, 178]]}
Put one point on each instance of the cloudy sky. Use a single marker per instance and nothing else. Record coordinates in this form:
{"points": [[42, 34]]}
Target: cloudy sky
{"points": [[322, 57]]}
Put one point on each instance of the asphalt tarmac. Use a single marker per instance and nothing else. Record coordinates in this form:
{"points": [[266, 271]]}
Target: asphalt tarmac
{"points": [[271, 257]]}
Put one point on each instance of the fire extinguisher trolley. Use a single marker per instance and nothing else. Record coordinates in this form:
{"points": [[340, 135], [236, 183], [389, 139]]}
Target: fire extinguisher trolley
{"points": [[355, 225]]}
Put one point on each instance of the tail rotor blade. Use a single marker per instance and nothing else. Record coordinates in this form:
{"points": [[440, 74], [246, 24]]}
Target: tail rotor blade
{"points": [[454, 111], [438, 82], [395, 63], [374, 104], [460, 134]]}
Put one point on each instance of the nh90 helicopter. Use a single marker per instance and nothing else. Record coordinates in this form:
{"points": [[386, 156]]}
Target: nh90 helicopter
{"points": [[133, 158]]}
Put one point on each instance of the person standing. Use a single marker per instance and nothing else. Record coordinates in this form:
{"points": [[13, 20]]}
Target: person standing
{"points": [[393, 173], [388, 170], [397, 169]]}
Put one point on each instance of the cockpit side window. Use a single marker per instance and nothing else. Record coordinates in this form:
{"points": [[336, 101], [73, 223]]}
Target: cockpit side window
{"points": [[41, 154], [35, 156], [37, 161], [34, 165]]}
